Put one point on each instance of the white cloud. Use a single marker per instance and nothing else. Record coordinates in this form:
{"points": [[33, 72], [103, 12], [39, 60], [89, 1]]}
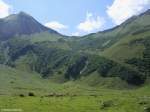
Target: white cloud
{"points": [[91, 23], [121, 10], [56, 25], [4, 9], [75, 34]]}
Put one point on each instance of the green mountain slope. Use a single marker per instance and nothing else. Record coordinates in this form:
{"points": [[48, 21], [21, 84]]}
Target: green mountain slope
{"points": [[102, 40], [131, 46], [121, 52], [13, 81], [50, 61], [44, 71]]}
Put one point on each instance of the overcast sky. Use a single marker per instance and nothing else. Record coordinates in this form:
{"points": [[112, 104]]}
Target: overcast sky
{"points": [[76, 17]]}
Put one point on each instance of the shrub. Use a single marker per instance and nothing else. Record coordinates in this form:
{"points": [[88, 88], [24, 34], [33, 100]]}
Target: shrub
{"points": [[106, 104], [31, 94], [22, 95]]}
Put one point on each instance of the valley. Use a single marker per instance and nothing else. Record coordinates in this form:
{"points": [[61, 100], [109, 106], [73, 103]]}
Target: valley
{"points": [[42, 70]]}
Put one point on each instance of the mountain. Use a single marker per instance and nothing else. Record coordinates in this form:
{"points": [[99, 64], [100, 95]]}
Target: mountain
{"points": [[42, 70], [105, 39], [21, 24], [121, 52]]}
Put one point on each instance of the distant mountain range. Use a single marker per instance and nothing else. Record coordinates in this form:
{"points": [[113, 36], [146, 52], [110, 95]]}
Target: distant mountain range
{"points": [[122, 52]]}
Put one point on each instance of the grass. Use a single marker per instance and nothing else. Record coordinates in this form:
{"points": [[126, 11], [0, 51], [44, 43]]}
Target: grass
{"points": [[25, 90], [45, 37], [41, 37], [105, 101], [68, 97], [122, 50]]}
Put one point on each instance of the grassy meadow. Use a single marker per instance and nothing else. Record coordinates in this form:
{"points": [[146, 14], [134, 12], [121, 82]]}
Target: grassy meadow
{"points": [[30, 93]]}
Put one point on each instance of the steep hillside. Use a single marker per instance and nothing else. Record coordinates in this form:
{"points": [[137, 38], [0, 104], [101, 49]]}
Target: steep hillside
{"points": [[131, 46], [120, 54], [50, 61]]}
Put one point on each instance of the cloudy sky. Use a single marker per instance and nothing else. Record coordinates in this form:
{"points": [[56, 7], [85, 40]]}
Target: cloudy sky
{"points": [[76, 17]]}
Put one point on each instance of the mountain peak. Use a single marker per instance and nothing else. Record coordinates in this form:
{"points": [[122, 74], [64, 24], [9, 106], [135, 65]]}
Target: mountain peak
{"points": [[23, 14], [14, 17], [21, 24]]}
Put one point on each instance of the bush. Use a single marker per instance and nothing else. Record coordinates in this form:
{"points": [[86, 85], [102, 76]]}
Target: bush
{"points": [[106, 104], [22, 95], [31, 94]]}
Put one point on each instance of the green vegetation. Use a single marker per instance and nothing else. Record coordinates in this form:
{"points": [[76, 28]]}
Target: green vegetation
{"points": [[143, 64], [29, 92], [107, 103], [43, 71]]}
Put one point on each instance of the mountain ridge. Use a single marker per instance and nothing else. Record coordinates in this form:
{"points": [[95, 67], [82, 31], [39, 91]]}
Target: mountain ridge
{"points": [[73, 58]]}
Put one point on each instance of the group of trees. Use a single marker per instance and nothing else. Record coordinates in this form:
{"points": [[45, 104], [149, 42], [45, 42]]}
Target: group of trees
{"points": [[143, 64], [110, 68]]}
